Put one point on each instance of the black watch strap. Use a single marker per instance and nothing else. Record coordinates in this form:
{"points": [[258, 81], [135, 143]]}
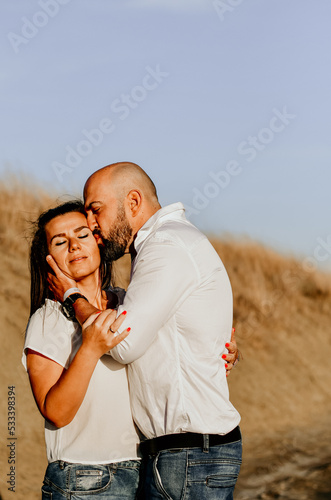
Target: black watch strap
{"points": [[68, 304]]}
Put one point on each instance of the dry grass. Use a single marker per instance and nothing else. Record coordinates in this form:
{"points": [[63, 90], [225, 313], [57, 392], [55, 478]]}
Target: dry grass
{"points": [[282, 316]]}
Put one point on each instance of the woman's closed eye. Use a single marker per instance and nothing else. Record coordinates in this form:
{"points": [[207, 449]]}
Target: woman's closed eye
{"points": [[59, 243]]}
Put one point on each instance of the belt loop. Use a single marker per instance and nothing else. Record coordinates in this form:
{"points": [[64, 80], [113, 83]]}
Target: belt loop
{"points": [[205, 443], [61, 464]]}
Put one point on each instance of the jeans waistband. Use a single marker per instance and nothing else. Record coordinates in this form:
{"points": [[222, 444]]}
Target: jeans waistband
{"points": [[187, 440]]}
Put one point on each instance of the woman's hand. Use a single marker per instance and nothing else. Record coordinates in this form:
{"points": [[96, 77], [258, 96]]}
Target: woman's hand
{"points": [[99, 332], [232, 358]]}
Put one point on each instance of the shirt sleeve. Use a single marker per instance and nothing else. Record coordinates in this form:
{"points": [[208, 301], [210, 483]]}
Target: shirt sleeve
{"points": [[164, 276], [49, 333]]}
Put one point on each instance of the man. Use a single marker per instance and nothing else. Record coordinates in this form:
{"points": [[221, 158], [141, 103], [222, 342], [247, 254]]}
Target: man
{"points": [[179, 306]]}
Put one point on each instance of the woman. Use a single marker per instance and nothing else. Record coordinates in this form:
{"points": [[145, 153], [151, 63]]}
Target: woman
{"points": [[83, 394]]}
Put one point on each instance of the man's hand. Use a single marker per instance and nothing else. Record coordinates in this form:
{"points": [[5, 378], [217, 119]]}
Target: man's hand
{"points": [[58, 282], [233, 354], [99, 332]]}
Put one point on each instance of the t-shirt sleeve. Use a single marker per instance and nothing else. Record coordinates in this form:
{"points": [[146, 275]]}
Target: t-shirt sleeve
{"points": [[120, 293], [51, 334]]}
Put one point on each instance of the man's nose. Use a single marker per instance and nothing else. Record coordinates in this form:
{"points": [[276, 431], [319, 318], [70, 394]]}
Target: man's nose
{"points": [[91, 221]]}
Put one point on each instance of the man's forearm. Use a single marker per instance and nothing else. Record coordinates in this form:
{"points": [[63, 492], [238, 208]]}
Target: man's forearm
{"points": [[161, 282], [83, 310]]}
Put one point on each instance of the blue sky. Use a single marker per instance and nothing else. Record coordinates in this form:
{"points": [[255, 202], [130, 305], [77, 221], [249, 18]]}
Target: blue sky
{"points": [[224, 103]]}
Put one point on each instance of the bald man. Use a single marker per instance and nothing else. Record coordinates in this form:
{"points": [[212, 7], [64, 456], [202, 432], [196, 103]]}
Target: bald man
{"points": [[179, 306]]}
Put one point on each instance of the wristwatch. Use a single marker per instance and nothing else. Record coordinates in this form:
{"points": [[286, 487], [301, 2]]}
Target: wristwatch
{"points": [[68, 305]]}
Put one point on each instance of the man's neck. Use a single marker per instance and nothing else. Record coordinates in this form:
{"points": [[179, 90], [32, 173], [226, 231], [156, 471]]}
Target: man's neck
{"points": [[142, 222], [132, 249]]}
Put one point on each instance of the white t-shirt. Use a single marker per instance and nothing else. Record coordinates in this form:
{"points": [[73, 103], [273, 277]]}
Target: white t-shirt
{"points": [[102, 430]]}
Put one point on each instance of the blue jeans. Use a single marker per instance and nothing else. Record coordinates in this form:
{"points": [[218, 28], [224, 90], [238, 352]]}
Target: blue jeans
{"points": [[80, 481], [193, 473]]}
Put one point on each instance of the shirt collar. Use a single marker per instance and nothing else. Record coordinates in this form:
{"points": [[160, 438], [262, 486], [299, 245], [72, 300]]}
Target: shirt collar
{"points": [[176, 211]]}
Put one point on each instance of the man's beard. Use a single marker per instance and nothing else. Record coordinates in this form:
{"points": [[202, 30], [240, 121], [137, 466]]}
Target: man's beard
{"points": [[116, 241]]}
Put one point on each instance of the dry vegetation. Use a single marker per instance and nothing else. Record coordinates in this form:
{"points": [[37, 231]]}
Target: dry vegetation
{"points": [[282, 316]]}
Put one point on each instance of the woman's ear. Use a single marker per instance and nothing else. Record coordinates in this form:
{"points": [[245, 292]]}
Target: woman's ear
{"points": [[134, 202]]}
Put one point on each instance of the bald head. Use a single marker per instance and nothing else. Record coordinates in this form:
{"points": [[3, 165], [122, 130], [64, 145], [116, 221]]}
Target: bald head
{"points": [[119, 199], [123, 177]]}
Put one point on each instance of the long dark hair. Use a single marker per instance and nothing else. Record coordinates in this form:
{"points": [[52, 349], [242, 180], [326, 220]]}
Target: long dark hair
{"points": [[39, 268]]}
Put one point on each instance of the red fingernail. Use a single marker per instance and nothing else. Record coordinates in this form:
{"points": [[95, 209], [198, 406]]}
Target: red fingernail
{"points": [[227, 345], [223, 356], [128, 329], [124, 312], [233, 329], [226, 365]]}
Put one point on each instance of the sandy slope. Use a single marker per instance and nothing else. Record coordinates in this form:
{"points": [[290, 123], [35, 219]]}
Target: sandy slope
{"points": [[282, 387]]}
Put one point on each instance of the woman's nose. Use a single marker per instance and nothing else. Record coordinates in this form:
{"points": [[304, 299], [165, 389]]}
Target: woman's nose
{"points": [[73, 244]]}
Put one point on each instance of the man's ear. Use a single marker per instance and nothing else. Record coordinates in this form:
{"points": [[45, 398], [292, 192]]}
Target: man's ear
{"points": [[134, 202]]}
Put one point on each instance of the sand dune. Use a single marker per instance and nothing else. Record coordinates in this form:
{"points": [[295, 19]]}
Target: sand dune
{"points": [[282, 388]]}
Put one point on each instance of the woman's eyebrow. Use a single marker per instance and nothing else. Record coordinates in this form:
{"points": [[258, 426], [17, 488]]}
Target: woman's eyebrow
{"points": [[60, 235], [80, 228], [63, 235]]}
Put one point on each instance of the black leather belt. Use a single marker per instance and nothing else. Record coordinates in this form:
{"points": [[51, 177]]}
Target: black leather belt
{"points": [[186, 440]]}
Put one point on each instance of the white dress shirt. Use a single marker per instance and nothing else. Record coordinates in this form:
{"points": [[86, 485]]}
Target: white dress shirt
{"points": [[179, 305]]}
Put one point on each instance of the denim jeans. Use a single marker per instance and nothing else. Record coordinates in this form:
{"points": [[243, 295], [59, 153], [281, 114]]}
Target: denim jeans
{"points": [[193, 473], [80, 481]]}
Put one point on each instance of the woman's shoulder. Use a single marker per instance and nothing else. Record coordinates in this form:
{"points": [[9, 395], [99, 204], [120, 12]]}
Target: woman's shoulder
{"points": [[50, 333], [48, 308], [48, 316]]}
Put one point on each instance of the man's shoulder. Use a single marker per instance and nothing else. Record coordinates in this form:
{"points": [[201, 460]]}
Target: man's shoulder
{"points": [[181, 240], [180, 232]]}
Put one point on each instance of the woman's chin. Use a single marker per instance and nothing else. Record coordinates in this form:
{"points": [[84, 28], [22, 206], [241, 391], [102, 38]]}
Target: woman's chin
{"points": [[80, 276]]}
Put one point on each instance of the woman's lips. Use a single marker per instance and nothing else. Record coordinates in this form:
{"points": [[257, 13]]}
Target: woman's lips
{"points": [[77, 259]]}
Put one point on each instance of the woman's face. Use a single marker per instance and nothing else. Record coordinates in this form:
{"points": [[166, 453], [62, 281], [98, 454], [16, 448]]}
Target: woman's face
{"points": [[71, 243]]}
